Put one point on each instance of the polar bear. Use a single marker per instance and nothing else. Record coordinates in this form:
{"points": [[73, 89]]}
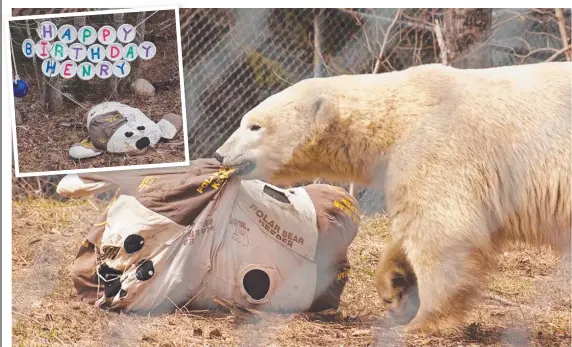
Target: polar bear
{"points": [[474, 158], [396, 283]]}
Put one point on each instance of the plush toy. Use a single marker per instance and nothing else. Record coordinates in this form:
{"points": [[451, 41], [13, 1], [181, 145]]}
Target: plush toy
{"points": [[20, 88], [175, 237], [118, 128]]}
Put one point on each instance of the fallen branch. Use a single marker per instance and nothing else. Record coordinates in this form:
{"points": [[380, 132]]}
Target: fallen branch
{"points": [[173, 145], [186, 305], [69, 124], [169, 84], [494, 297], [238, 311]]}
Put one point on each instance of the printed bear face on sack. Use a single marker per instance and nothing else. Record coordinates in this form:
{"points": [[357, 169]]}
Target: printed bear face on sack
{"points": [[118, 128]]}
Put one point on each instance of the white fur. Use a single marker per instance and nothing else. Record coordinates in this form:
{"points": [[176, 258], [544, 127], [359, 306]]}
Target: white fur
{"points": [[476, 158]]}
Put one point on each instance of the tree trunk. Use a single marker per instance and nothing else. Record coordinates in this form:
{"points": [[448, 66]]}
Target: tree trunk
{"points": [[53, 98], [465, 31], [140, 37], [115, 82], [39, 82], [80, 87], [51, 87], [18, 115]]}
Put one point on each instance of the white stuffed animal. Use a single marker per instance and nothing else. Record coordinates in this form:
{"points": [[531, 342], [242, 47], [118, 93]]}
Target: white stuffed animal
{"points": [[118, 128]]}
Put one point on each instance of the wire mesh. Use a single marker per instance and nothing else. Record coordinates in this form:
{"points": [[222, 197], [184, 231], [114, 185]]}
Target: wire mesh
{"points": [[235, 58]]}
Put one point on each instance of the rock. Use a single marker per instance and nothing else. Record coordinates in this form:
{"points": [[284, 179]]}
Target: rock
{"points": [[142, 87]]}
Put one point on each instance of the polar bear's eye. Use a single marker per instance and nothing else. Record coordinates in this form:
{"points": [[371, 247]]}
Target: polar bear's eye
{"points": [[128, 134], [255, 127], [141, 127]]}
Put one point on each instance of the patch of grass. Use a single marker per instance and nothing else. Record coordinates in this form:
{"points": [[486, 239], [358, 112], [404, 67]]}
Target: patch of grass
{"points": [[510, 286], [47, 234]]}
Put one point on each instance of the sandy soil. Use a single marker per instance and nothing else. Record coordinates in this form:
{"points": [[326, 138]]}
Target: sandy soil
{"points": [[47, 234]]}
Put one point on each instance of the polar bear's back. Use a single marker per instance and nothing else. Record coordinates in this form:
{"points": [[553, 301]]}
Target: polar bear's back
{"points": [[502, 138], [522, 108]]}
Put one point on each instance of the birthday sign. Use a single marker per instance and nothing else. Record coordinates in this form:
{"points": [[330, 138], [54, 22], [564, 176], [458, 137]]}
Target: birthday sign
{"points": [[103, 53]]}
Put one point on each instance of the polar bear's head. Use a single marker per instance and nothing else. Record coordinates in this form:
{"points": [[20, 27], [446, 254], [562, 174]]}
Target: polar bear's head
{"points": [[273, 134]]}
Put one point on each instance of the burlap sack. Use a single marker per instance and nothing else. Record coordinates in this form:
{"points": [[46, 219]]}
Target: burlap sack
{"points": [[175, 205]]}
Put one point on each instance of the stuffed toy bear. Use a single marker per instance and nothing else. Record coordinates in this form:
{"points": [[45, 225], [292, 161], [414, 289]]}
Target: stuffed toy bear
{"points": [[118, 128], [175, 237]]}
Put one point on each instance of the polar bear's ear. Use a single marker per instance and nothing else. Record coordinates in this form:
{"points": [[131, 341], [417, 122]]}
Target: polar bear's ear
{"points": [[83, 149], [323, 110]]}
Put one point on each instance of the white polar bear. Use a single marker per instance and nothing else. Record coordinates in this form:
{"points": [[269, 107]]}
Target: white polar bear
{"points": [[474, 158]]}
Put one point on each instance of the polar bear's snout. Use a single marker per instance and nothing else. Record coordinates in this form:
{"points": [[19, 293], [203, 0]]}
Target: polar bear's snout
{"points": [[142, 143], [243, 164], [227, 154]]}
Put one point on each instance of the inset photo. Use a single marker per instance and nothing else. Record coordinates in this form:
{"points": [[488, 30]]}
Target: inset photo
{"points": [[97, 90]]}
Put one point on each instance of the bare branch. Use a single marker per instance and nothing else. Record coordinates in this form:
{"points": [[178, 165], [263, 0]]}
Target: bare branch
{"points": [[539, 50], [563, 33], [414, 25], [556, 54], [382, 49]]}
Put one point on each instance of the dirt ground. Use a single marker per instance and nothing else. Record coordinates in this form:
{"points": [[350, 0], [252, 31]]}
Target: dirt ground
{"points": [[43, 142], [46, 236]]}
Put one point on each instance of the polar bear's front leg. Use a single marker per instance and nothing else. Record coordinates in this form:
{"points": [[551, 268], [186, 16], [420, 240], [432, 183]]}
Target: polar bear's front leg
{"points": [[450, 266]]}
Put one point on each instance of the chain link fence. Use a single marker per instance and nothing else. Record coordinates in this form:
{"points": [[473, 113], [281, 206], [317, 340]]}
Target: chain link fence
{"points": [[235, 58]]}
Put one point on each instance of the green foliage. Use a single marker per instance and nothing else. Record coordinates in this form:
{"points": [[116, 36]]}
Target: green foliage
{"points": [[267, 72], [299, 28]]}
